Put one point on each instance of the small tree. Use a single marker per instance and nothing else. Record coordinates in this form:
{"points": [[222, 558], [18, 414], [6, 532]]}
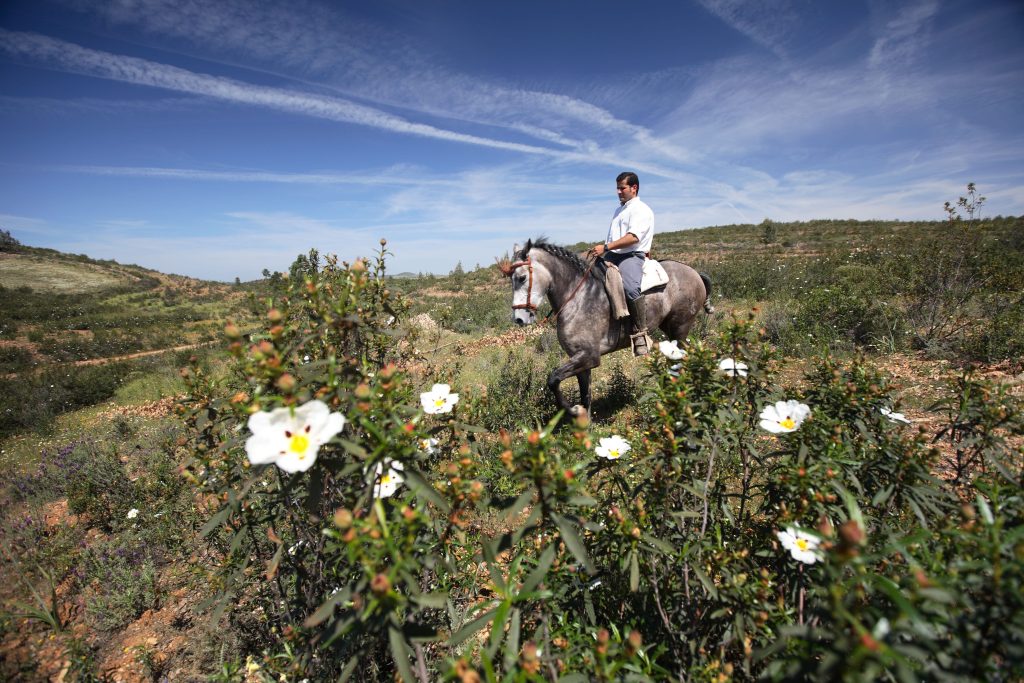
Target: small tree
{"points": [[7, 241], [768, 231]]}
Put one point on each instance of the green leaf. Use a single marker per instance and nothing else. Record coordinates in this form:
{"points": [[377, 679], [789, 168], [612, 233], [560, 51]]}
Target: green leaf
{"points": [[470, 628], [709, 586], [325, 610], [435, 600], [498, 626], [422, 488], [882, 496], [634, 573], [512, 646], [472, 429], [986, 511], [891, 589], [353, 448], [573, 542], [520, 503], [661, 545], [350, 667], [547, 557], [219, 517], [400, 652]]}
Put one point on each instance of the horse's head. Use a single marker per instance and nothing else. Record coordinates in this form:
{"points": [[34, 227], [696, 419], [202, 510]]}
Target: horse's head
{"points": [[530, 280]]}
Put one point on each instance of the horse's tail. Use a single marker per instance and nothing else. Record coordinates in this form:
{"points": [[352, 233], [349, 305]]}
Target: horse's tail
{"points": [[708, 308]]}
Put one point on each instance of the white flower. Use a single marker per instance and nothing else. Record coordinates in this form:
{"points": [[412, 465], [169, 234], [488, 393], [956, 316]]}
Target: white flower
{"points": [[801, 545], [133, 513], [387, 476], [671, 350], [291, 438], [438, 400], [428, 445], [895, 417], [612, 447], [732, 367], [784, 416]]}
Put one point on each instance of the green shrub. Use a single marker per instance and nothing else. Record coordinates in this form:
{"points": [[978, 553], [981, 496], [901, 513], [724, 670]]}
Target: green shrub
{"points": [[14, 359], [119, 581], [841, 317], [746, 528]]}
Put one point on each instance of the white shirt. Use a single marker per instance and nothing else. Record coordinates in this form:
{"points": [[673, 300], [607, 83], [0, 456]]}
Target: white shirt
{"points": [[632, 217]]}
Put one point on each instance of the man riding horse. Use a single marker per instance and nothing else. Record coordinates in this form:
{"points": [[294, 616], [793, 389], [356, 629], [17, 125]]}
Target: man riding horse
{"points": [[630, 235]]}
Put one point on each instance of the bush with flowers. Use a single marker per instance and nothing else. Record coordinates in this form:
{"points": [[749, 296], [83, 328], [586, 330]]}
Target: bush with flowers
{"points": [[741, 529]]}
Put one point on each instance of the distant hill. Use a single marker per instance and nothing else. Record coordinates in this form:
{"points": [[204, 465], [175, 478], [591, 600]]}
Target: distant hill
{"points": [[50, 271]]}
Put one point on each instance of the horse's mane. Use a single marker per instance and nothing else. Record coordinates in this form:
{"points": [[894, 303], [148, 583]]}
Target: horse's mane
{"points": [[570, 257]]}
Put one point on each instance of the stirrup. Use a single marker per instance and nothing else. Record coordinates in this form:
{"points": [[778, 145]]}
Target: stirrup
{"points": [[641, 343]]}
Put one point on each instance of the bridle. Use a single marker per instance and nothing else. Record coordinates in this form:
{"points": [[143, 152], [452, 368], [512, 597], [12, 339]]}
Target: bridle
{"points": [[508, 268], [529, 286]]}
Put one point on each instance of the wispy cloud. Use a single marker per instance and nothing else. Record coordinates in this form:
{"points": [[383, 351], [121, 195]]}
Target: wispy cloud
{"points": [[76, 59], [768, 23], [405, 176], [332, 49], [902, 36]]}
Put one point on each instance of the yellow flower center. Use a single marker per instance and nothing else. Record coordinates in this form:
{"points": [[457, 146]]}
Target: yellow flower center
{"points": [[801, 543], [299, 444], [438, 402], [787, 423], [612, 453], [386, 479]]}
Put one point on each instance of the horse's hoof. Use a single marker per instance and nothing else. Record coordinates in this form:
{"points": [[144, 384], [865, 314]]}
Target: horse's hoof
{"points": [[577, 411]]}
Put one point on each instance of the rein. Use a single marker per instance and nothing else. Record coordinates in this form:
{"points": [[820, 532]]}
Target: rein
{"points": [[509, 269]]}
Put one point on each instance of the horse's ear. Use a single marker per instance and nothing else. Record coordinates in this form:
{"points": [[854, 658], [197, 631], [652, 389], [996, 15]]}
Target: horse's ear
{"points": [[515, 249]]}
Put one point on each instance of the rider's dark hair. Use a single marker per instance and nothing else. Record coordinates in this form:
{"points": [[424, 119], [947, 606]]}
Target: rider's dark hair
{"points": [[630, 179]]}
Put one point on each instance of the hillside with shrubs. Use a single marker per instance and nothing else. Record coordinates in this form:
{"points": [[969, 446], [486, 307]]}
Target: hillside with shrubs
{"points": [[363, 477]]}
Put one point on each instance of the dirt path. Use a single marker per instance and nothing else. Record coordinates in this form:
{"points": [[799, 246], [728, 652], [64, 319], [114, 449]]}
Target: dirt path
{"points": [[111, 359]]}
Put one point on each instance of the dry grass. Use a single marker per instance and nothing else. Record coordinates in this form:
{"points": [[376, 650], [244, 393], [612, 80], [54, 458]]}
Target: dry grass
{"points": [[44, 274]]}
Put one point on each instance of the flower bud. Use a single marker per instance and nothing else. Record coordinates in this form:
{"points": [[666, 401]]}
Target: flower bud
{"points": [[851, 534], [274, 315], [232, 331], [634, 641], [286, 383], [380, 585], [343, 518]]}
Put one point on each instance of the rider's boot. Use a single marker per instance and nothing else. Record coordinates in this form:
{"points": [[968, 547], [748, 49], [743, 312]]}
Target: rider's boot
{"points": [[638, 311]]}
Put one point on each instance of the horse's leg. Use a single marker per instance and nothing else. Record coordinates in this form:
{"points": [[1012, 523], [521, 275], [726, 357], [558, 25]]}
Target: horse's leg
{"points": [[580, 362], [584, 381], [677, 328]]}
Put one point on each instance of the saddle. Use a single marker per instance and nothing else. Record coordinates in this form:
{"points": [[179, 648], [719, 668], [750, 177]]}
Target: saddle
{"points": [[654, 276]]}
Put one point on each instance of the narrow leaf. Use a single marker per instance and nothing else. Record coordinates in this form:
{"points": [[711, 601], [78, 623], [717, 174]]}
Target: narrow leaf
{"points": [[400, 653], [573, 542], [634, 573], [470, 628], [421, 487]]}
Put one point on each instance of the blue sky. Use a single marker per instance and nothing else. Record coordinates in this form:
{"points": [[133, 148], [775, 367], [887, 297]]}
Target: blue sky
{"points": [[216, 139]]}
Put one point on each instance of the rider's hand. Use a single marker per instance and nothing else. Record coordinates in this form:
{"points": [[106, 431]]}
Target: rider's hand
{"points": [[598, 249]]}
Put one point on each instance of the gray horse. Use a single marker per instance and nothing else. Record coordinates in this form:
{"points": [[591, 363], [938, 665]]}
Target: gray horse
{"points": [[586, 330]]}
